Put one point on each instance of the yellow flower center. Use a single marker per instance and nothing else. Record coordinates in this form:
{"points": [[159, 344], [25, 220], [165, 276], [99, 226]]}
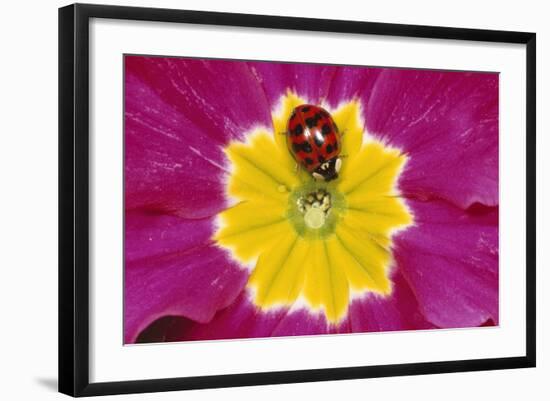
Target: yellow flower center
{"points": [[313, 244]]}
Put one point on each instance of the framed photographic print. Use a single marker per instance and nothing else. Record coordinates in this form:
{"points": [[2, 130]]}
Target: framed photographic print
{"points": [[277, 199]]}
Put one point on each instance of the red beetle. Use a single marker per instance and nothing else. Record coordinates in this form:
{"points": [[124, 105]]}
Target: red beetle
{"points": [[314, 141]]}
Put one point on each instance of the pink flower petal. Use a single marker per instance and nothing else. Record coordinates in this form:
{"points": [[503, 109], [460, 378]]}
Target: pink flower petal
{"points": [[352, 83], [194, 283], [396, 312], [169, 166], [240, 320], [450, 259], [221, 98], [243, 319], [447, 122], [311, 81], [149, 235]]}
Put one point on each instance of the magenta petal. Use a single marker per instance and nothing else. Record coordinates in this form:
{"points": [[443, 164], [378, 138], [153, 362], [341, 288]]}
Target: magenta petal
{"points": [[399, 311], [311, 81], [153, 235], [169, 167], [243, 319], [240, 320], [300, 323], [221, 98], [352, 83], [194, 283], [447, 122], [450, 259]]}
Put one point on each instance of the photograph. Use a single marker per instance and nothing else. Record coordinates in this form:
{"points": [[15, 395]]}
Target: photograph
{"points": [[272, 198]]}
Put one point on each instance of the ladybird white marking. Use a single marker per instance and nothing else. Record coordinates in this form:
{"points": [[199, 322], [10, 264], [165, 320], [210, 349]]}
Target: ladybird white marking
{"points": [[338, 165], [318, 176]]}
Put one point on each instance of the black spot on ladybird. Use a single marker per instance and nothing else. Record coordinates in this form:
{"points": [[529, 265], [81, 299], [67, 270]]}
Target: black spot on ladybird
{"points": [[304, 147], [317, 117], [325, 130], [329, 148], [310, 122], [298, 130], [308, 160], [305, 109]]}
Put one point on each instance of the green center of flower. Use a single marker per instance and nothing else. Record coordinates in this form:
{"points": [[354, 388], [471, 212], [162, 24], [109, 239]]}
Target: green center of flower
{"points": [[314, 209]]}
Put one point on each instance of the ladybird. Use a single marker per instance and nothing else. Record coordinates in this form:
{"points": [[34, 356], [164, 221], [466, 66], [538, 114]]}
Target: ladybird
{"points": [[314, 141]]}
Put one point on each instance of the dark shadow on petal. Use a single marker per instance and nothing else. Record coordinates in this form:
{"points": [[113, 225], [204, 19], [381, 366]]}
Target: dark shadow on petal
{"points": [[479, 209], [165, 329], [488, 323]]}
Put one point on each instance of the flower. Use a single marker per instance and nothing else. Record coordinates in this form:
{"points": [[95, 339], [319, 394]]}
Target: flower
{"points": [[312, 242], [218, 246]]}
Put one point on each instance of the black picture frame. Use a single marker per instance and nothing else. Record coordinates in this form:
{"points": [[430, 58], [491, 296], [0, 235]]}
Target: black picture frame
{"points": [[74, 198]]}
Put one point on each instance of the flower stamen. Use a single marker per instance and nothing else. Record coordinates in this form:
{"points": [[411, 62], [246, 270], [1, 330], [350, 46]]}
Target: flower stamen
{"points": [[315, 207]]}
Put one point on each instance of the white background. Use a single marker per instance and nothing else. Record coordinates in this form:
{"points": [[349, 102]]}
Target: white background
{"points": [[28, 166]]}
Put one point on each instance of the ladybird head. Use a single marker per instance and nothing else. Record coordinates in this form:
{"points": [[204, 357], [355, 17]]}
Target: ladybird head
{"points": [[328, 170]]}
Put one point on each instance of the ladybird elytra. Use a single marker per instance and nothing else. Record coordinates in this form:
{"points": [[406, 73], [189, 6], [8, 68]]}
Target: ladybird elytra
{"points": [[313, 140]]}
